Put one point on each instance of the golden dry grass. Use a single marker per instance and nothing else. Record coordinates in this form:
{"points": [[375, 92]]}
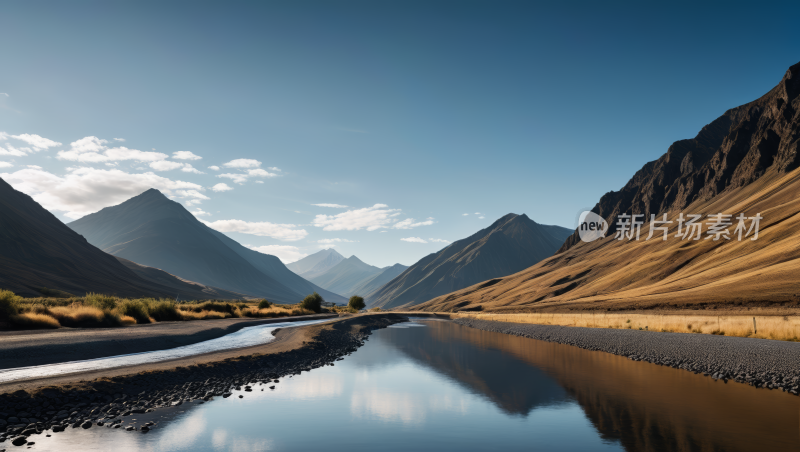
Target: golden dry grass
{"points": [[34, 320], [275, 310], [97, 310], [203, 315], [785, 328]]}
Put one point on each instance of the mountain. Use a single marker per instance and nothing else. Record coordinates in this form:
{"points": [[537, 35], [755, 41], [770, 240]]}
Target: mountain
{"points": [[510, 244], [744, 162], [316, 264], [151, 230], [368, 287], [346, 275], [38, 251]]}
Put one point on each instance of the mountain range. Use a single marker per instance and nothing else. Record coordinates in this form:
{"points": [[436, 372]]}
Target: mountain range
{"points": [[744, 162], [347, 277], [510, 244], [316, 264], [39, 252], [152, 230]]}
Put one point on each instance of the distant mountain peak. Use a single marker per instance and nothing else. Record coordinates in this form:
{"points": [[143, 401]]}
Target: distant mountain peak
{"points": [[151, 193]]}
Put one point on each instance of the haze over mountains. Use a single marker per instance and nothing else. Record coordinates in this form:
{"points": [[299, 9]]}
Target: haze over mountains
{"points": [[510, 244], [745, 161], [152, 230], [38, 251], [316, 264], [347, 277]]}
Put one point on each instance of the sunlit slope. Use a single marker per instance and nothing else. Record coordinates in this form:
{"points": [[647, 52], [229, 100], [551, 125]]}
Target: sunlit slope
{"points": [[610, 273], [752, 171]]}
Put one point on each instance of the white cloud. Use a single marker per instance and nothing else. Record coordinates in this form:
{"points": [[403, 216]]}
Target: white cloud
{"points": [[4, 94], [38, 143], [192, 193], [259, 181], [235, 178], [86, 190], [165, 165], [198, 212], [221, 187], [329, 241], [34, 166], [464, 214], [187, 168], [481, 217], [275, 168], [286, 253], [185, 155], [369, 218], [4, 136], [414, 240], [408, 223], [94, 150], [12, 151], [285, 232], [215, 168], [477, 213], [439, 241], [119, 139], [6, 165], [242, 163], [335, 206], [260, 173]]}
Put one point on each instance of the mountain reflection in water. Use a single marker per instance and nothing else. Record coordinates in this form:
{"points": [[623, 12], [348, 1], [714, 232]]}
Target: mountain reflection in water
{"points": [[643, 406]]}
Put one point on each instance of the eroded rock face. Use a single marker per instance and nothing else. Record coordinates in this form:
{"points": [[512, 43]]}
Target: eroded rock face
{"points": [[733, 151]]}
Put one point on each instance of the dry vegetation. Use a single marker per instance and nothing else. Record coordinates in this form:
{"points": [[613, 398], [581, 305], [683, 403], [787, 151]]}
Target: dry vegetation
{"points": [[98, 311], [786, 328]]}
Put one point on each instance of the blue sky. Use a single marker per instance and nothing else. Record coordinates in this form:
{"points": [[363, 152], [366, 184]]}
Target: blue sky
{"points": [[428, 120]]}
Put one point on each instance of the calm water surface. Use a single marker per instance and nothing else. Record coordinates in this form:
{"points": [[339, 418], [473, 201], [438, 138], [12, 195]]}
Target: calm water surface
{"points": [[440, 386]]}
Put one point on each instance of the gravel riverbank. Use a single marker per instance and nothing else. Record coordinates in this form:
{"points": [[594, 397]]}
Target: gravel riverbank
{"points": [[106, 401], [758, 362]]}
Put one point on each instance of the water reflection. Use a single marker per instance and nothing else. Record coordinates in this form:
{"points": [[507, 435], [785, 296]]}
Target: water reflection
{"points": [[646, 407], [448, 387], [513, 385]]}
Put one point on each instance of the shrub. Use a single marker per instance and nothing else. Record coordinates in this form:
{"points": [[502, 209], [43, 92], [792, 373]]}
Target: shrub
{"points": [[204, 315], [210, 306], [9, 304], [134, 308], [163, 311], [264, 304], [312, 302], [84, 317], [99, 301], [35, 320], [356, 303]]}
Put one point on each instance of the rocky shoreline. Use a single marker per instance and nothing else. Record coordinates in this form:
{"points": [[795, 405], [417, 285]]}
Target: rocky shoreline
{"points": [[106, 402], [757, 362]]}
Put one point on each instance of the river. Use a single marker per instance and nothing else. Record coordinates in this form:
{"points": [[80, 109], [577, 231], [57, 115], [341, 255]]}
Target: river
{"points": [[435, 385]]}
